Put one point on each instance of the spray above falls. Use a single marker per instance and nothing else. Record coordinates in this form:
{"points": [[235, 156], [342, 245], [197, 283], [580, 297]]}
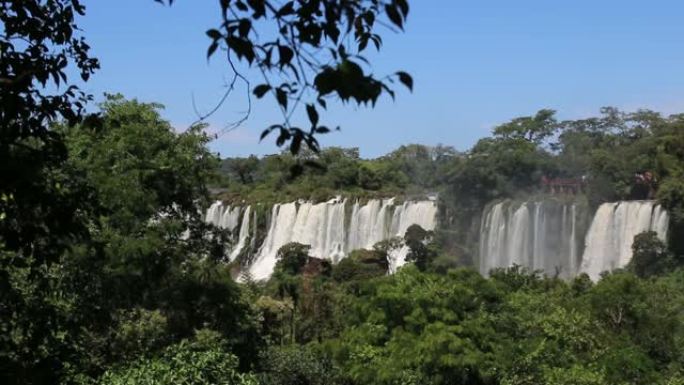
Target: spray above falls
{"points": [[332, 229]]}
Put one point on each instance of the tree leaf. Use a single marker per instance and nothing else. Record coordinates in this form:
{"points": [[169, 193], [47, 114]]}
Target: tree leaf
{"points": [[404, 6], [264, 134], [284, 136], [405, 79], [268, 131], [394, 16], [323, 103], [244, 27], [313, 114], [281, 96], [214, 34], [241, 6], [212, 48], [286, 9], [296, 144], [286, 54], [261, 90]]}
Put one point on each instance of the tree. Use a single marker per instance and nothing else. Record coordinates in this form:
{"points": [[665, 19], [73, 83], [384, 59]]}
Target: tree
{"points": [[369, 179], [535, 128], [244, 168], [44, 205], [145, 246], [420, 251], [362, 264], [202, 360], [296, 365], [643, 310], [158, 252], [292, 257], [308, 53], [341, 166], [649, 256], [39, 46], [495, 168], [418, 162]]}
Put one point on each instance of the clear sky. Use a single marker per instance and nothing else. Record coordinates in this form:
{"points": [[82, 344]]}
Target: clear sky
{"points": [[475, 64]]}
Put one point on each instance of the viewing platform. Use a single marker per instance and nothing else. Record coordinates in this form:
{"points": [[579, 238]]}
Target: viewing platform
{"points": [[563, 185]]}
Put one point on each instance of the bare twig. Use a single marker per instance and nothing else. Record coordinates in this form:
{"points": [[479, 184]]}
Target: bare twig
{"points": [[230, 87]]}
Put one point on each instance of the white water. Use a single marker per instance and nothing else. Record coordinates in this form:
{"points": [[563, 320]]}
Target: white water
{"points": [[329, 228], [397, 258], [544, 236], [323, 227], [228, 217], [243, 235], [214, 213], [225, 217], [611, 234], [537, 235], [541, 235]]}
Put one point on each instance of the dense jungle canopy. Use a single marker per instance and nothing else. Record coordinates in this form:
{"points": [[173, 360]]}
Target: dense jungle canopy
{"points": [[109, 273]]}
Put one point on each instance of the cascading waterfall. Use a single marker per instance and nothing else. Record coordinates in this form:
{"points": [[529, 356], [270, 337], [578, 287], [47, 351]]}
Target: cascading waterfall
{"points": [[322, 226], [546, 235], [225, 217], [228, 217], [421, 213], [328, 228], [214, 213], [368, 224], [611, 234], [283, 218], [539, 235], [243, 235]]}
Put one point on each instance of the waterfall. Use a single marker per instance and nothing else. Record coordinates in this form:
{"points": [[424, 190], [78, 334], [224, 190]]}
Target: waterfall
{"points": [[539, 235], [328, 228], [397, 258], [225, 217], [229, 219], [368, 224], [321, 226], [492, 238], [283, 218], [573, 236], [421, 213], [243, 235], [214, 213], [544, 235], [611, 234], [518, 241]]}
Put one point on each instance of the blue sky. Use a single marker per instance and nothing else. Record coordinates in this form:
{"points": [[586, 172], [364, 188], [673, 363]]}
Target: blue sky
{"points": [[475, 64]]}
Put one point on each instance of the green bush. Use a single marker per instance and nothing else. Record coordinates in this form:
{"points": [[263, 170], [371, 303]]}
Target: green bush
{"points": [[138, 331], [201, 361], [297, 365]]}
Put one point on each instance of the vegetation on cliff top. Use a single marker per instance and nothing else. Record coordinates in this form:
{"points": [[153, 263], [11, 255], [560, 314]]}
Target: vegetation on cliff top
{"points": [[137, 299]]}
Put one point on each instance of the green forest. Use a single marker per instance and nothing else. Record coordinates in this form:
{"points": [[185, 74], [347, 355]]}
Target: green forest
{"points": [[141, 294], [110, 273]]}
